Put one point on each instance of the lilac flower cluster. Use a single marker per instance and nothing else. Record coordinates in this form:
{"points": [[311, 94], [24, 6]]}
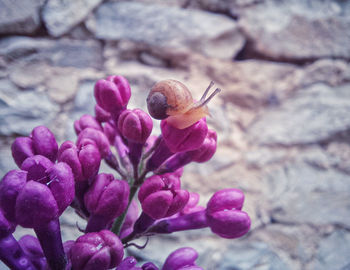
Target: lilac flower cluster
{"points": [[50, 178]]}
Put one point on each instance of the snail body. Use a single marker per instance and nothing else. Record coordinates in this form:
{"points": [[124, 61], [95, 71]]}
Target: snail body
{"points": [[171, 100]]}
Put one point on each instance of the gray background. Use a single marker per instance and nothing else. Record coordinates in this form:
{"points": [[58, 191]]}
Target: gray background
{"points": [[282, 118]]}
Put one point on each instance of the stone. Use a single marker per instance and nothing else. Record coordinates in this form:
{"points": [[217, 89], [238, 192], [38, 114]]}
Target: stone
{"points": [[62, 53], [29, 74], [300, 193], [253, 84], [296, 244], [332, 72], [230, 7], [22, 111], [298, 30], [167, 27], [315, 114], [333, 252], [255, 255], [62, 84], [61, 16], [339, 154], [19, 17]]}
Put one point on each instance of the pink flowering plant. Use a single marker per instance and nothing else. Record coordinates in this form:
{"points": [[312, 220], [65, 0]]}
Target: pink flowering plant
{"points": [[148, 168]]}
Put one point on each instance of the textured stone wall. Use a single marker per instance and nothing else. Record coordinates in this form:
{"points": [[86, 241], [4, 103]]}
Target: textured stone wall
{"points": [[283, 117]]}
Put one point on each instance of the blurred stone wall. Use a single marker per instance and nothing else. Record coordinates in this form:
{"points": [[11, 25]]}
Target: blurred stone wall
{"points": [[282, 118]]}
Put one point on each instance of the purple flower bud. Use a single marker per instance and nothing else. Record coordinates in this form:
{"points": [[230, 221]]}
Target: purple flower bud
{"points": [[182, 258], [36, 167], [192, 205], [35, 205], [31, 247], [106, 199], [149, 266], [41, 142], [102, 250], [38, 204], [187, 139], [151, 140], [10, 186], [129, 263], [101, 114], [160, 154], [61, 183], [112, 94], [84, 162], [98, 137], [86, 121], [202, 154], [20, 198], [44, 142], [130, 219], [110, 131], [6, 227], [135, 125], [224, 215], [68, 153], [207, 149], [11, 252], [161, 196], [22, 148]]}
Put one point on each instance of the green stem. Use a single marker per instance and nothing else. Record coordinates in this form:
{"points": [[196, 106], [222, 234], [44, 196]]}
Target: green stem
{"points": [[118, 223]]}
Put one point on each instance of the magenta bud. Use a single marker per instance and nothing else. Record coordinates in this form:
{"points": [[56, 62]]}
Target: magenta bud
{"points": [[182, 258], [112, 94], [192, 204], [36, 167], [101, 114], [35, 205], [22, 148], [99, 250], [130, 219], [135, 125], [90, 159], [98, 137], [106, 199], [44, 142], [61, 184], [151, 140], [129, 263], [68, 153], [86, 121], [84, 162], [224, 215], [207, 149], [149, 266], [31, 247], [110, 131], [6, 227], [188, 139], [161, 196], [225, 199], [10, 186]]}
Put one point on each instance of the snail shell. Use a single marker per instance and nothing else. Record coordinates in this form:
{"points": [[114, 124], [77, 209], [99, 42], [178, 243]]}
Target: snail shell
{"points": [[171, 100]]}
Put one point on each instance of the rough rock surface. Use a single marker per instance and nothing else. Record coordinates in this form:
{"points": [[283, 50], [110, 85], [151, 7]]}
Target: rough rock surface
{"points": [[282, 117], [20, 111], [310, 108], [289, 29], [19, 17], [167, 28], [61, 16]]}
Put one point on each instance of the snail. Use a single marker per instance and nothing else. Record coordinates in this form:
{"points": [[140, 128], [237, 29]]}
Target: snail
{"points": [[171, 100]]}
